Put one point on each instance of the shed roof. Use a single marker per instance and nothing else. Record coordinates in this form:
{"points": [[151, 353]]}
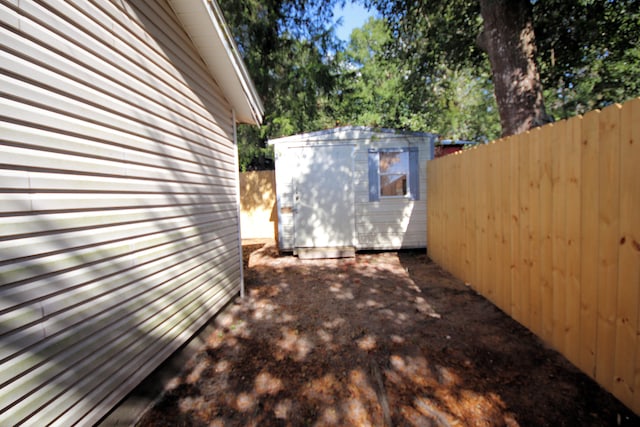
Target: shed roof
{"points": [[350, 133], [204, 23]]}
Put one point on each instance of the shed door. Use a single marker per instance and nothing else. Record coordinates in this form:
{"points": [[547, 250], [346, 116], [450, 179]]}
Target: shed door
{"points": [[323, 197]]}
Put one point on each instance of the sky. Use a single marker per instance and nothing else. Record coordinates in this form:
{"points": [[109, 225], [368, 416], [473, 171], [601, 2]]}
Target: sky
{"points": [[353, 16]]}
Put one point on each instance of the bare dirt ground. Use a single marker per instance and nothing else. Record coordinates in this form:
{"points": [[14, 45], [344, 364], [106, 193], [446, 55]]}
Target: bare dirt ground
{"points": [[385, 339]]}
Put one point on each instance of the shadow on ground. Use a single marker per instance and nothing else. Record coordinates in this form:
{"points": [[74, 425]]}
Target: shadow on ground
{"points": [[386, 339]]}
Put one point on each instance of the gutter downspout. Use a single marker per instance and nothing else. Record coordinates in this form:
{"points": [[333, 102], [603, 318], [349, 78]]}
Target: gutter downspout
{"points": [[238, 210]]}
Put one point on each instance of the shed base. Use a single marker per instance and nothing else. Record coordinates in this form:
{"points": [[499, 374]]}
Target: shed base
{"points": [[317, 253]]}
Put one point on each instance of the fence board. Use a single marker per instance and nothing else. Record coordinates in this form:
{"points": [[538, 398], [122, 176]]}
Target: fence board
{"points": [[544, 313], [475, 202], [514, 229], [546, 225], [502, 222], [482, 222], [573, 140], [629, 260], [258, 218], [608, 213], [589, 243], [525, 242], [491, 193], [469, 218], [558, 239], [533, 232]]}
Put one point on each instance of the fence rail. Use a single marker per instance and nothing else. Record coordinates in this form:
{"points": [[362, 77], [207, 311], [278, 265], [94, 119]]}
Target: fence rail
{"points": [[546, 225]]}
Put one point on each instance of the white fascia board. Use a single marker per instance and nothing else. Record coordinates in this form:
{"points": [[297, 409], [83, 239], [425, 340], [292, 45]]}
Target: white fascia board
{"points": [[204, 23], [351, 133]]}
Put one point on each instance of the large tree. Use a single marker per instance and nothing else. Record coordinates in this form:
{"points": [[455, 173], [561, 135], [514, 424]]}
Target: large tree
{"points": [[454, 32], [509, 40], [585, 53]]}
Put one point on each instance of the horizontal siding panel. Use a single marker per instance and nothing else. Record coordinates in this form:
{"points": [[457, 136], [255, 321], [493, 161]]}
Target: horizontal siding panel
{"points": [[70, 127], [388, 208], [29, 224], [68, 386], [64, 124], [89, 246], [80, 325], [11, 203], [70, 281], [93, 285], [119, 115], [409, 227], [118, 216], [13, 180], [144, 359], [58, 182], [28, 58], [389, 241], [155, 168], [103, 56], [109, 383]]}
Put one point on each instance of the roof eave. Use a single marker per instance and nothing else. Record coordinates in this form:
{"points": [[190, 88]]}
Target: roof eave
{"points": [[204, 23]]}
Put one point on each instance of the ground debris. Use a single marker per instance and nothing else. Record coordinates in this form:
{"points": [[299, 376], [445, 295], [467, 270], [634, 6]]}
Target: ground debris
{"points": [[386, 339]]}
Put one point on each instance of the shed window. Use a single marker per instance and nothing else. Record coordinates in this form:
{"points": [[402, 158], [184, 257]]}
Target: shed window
{"points": [[394, 173]]}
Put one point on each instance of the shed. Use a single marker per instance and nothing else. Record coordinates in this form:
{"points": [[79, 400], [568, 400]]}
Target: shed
{"points": [[351, 188], [119, 223]]}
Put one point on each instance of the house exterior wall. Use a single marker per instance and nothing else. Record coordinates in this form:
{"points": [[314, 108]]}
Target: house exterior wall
{"points": [[118, 220], [389, 223]]}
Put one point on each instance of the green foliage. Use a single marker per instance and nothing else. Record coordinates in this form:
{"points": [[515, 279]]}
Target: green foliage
{"points": [[378, 89], [369, 89], [420, 67], [285, 45], [589, 53]]}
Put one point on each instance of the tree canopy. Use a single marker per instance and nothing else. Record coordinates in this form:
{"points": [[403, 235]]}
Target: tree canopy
{"points": [[424, 65], [587, 51], [285, 45]]}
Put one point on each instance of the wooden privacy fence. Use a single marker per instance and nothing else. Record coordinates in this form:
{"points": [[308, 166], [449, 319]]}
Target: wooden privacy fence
{"points": [[546, 225], [258, 217]]}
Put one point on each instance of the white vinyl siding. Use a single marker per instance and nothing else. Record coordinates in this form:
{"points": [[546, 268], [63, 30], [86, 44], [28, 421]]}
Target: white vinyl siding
{"points": [[118, 216], [388, 223], [391, 222]]}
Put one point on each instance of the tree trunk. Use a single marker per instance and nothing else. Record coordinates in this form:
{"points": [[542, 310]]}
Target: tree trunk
{"points": [[509, 40]]}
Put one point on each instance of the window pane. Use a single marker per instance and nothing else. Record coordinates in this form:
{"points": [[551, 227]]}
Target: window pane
{"points": [[394, 163], [393, 185], [394, 172]]}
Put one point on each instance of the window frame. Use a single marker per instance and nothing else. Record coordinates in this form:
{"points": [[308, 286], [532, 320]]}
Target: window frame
{"points": [[413, 173]]}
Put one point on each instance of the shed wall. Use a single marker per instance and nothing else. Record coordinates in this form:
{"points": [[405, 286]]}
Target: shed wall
{"points": [[118, 220], [284, 198], [390, 223]]}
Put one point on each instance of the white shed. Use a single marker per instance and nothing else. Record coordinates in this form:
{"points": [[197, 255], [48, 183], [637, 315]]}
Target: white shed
{"points": [[119, 195], [351, 188]]}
